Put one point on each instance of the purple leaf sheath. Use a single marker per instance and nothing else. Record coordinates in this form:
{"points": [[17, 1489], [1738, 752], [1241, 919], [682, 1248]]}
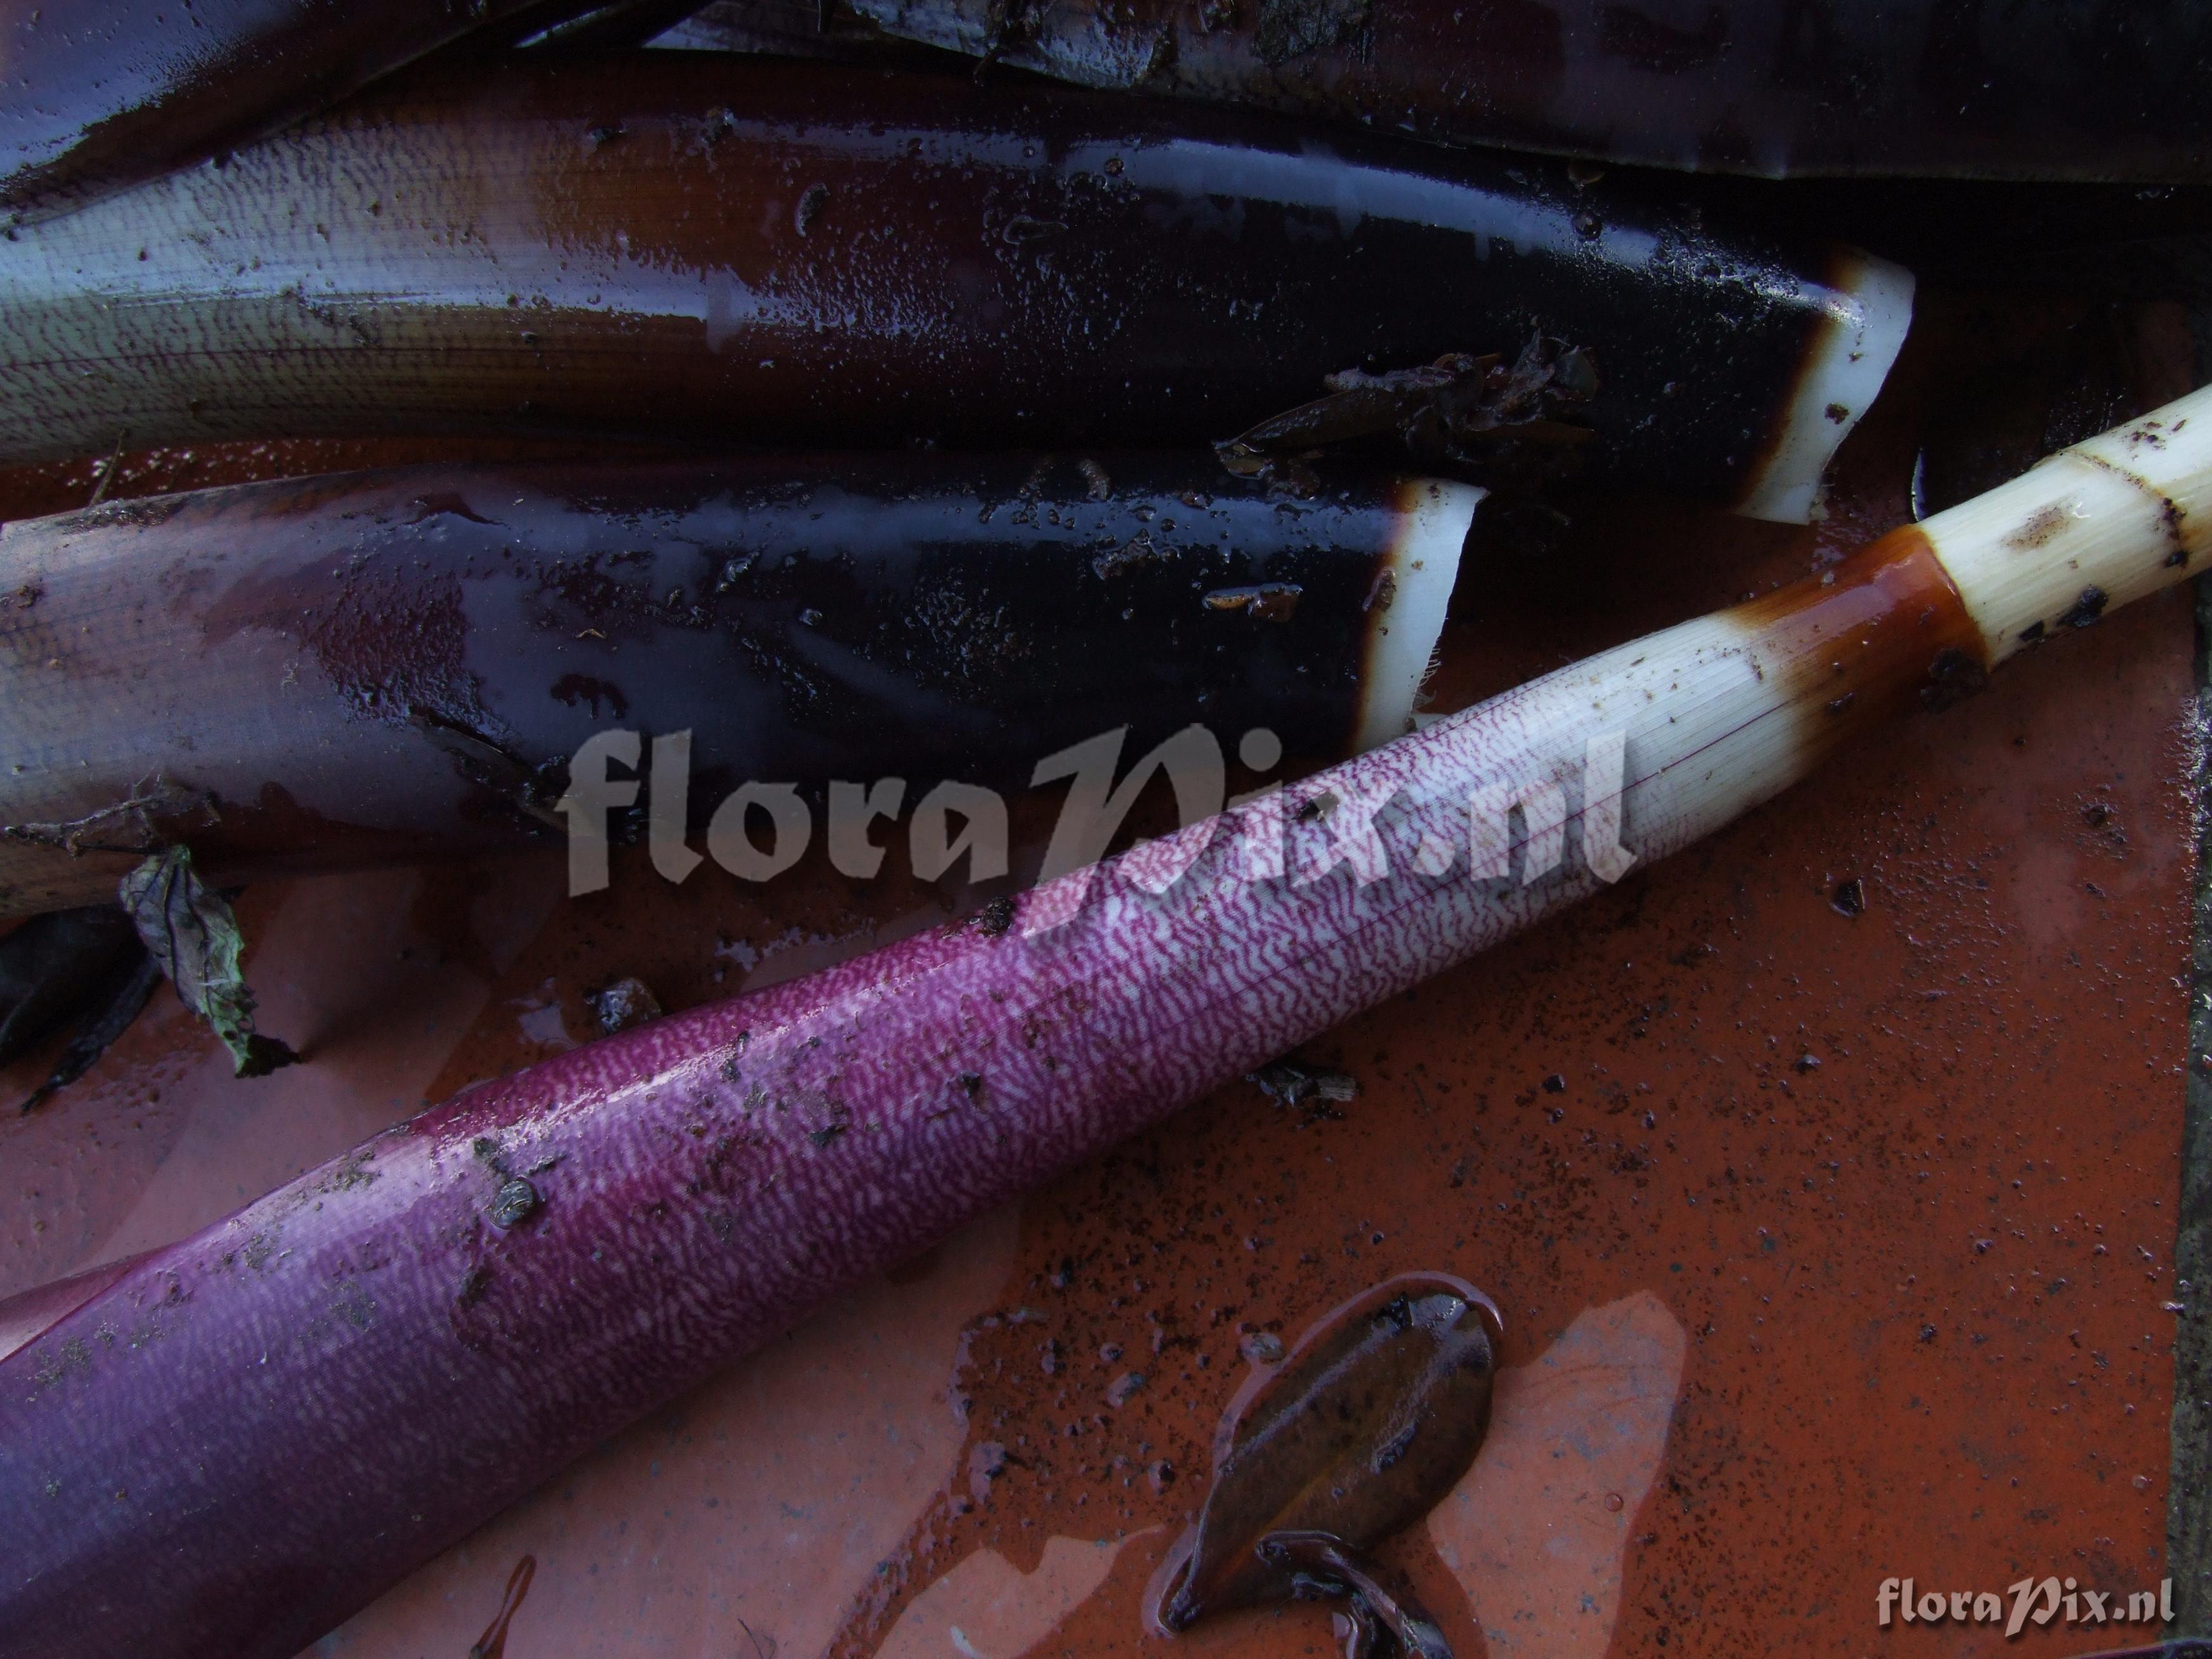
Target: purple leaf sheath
{"points": [[248, 1435]]}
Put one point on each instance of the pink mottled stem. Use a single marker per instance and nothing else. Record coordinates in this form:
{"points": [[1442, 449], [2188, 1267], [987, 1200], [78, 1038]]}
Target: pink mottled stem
{"points": [[247, 1436], [252, 1432]]}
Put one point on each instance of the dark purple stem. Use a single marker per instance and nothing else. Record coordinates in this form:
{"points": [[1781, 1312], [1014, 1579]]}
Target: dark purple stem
{"points": [[247, 1435]]}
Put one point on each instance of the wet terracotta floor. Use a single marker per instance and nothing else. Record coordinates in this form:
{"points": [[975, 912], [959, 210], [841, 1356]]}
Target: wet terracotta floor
{"points": [[1831, 1247]]}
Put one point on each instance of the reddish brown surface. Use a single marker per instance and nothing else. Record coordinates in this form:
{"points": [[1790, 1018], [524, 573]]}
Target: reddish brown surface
{"points": [[1898, 1312], [1883, 635]]}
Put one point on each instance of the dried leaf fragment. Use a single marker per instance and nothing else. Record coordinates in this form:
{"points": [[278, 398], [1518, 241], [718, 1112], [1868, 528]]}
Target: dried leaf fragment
{"points": [[191, 934], [1474, 411], [1276, 602], [1371, 1418]]}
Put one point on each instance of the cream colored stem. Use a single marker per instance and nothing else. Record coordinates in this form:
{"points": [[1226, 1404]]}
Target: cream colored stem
{"points": [[2095, 527]]}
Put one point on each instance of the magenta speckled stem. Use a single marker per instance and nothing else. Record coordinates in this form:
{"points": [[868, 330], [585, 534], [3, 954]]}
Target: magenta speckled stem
{"points": [[230, 1445], [251, 1433]]}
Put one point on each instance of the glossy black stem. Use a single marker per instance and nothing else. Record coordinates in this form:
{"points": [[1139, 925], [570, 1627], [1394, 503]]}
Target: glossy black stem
{"points": [[312, 673], [1958, 88], [711, 248], [95, 95]]}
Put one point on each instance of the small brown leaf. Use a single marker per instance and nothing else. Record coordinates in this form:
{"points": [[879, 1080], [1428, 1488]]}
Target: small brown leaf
{"points": [[1371, 1418]]}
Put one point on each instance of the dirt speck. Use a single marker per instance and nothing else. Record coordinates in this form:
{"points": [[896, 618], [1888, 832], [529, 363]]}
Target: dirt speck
{"points": [[622, 1004], [515, 1202], [2087, 609]]}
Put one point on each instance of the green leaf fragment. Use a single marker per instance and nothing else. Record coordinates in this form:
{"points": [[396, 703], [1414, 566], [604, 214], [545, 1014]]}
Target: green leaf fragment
{"points": [[192, 934]]}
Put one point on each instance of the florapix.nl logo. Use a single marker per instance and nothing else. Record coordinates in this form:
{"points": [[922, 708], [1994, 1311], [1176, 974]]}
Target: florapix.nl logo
{"points": [[2030, 1603], [761, 829]]}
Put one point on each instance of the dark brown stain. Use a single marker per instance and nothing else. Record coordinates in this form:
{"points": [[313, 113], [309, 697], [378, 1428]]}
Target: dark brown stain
{"points": [[1818, 336], [2040, 526], [1875, 641]]}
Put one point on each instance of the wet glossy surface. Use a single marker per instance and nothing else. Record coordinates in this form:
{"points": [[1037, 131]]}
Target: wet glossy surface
{"points": [[1885, 633], [97, 95], [1706, 1310], [1979, 88], [1354, 1435], [366, 668], [700, 246]]}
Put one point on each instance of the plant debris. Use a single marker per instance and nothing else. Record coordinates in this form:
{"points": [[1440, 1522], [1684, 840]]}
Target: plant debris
{"points": [[128, 826], [1132, 555], [530, 791], [1368, 1421], [1293, 1083], [1381, 1614], [193, 937], [1464, 410], [1276, 602], [627, 1002]]}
